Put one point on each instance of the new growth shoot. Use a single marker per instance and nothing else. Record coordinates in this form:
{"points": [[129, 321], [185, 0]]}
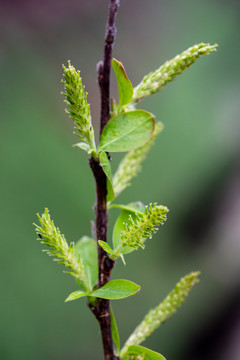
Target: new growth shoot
{"points": [[133, 131]]}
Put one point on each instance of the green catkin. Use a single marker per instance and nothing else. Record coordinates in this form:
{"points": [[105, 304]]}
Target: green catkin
{"points": [[130, 166], [154, 81], [136, 232], [59, 248], [157, 316], [79, 109]]}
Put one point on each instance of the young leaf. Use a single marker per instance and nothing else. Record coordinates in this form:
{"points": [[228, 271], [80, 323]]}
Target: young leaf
{"points": [[83, 146], [76, 295], [127, 131], [104, 245], [135, 207], [108, 172], [125, 88], [157, 316], [130, 166], [117, 289], [115, 333], [86, 249], [144, 353]]}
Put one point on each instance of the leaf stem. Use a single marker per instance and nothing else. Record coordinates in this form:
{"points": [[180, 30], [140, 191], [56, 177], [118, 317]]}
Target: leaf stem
{"points": [[102, 308]]}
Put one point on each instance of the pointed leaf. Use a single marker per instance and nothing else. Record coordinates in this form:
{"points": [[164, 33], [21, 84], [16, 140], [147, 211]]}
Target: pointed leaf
{"points": [[117, 289], [108, 172], [83, 146], [76, 295], [104, 245], [143, 352], [127, 131], [115, 333], [122, 258], [86, 248], [125, 88], [135, 207]]}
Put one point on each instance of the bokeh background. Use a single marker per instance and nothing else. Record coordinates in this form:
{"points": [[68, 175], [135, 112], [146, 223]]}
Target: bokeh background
{"points": [[194, 169]]}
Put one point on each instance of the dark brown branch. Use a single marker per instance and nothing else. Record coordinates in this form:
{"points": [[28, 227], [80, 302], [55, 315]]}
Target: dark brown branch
{"points": [[104, 262], [102, 308], [104, 67]]}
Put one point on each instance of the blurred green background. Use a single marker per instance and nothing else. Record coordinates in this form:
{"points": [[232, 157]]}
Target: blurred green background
{"points": [[194, 169]]}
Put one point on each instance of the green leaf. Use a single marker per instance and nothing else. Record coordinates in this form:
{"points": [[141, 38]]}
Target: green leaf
{"points": [[135, 207], [115, 333], [104, 245], [143, 352], [119, 226], [86, 248], [104, 161], [127, 131], [83, 146], [117, 289], [76, 295], [125, 88]]}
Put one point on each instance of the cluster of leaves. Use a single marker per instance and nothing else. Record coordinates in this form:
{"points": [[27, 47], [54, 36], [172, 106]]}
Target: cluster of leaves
{"points": [[132, 131]]}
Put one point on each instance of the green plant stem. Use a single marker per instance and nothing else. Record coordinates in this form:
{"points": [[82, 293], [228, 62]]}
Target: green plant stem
{"points": [[102, 308]]}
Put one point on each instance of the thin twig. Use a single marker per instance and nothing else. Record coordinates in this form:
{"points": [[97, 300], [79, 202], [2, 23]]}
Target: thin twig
{"points": [[104, 67], [105, 264]]}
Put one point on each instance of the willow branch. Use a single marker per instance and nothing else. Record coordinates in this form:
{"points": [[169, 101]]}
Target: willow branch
{"points": [[104, 67], [102, 308]]}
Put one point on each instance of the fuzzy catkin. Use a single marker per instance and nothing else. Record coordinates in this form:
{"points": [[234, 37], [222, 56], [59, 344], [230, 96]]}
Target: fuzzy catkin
{"points": [[130, 166], [145, 225], [154, 81], [157, 316], [59, 248], [79, 109]]}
